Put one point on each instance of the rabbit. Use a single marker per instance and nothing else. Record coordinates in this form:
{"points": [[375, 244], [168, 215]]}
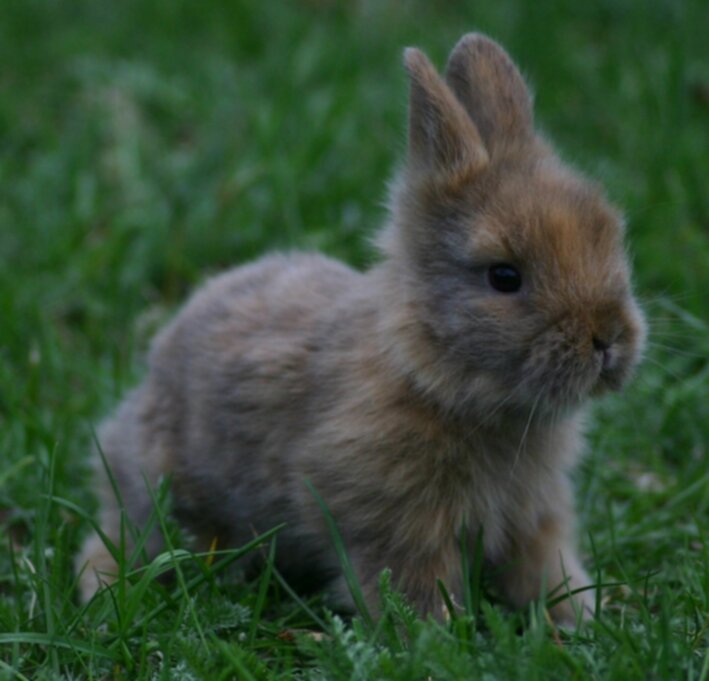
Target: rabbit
{"points": [[435, 401]]}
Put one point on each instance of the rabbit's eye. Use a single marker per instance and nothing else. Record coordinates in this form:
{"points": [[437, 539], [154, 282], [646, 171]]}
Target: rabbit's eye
{"points": [[504, 278]]}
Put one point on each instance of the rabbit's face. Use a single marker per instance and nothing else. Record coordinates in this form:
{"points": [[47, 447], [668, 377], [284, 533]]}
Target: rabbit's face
{"points": [[525, 280], [516, 263]]}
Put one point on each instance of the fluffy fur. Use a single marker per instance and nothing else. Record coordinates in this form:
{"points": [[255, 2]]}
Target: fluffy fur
{"points": [[418, 400]]}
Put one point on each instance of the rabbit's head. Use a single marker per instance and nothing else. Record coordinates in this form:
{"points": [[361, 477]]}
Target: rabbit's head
{"points": [[514, 265]]}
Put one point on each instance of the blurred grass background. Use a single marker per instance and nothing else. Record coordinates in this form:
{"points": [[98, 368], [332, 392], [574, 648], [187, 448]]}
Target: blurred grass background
{"points": [[147, 144]]}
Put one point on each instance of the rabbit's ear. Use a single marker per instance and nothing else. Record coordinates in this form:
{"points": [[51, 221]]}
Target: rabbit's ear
{"points": [[442, 137], [492, 90]]}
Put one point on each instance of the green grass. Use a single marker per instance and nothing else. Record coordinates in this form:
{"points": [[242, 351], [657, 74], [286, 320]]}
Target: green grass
{"points": [[145, 145]]}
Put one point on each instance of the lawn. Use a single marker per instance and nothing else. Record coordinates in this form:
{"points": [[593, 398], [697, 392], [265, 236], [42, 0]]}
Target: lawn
{"points": [[147, 145]]}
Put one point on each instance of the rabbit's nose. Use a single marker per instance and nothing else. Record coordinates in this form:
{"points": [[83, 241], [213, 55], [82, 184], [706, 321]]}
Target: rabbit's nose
{"points": [[603, 347], [600, 344]]}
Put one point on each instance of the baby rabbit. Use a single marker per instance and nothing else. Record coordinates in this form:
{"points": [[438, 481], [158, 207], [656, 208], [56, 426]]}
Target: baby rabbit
{"points": [[437, 396]]}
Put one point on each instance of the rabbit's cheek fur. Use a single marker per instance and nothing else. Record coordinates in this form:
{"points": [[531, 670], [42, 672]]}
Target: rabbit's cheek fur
{"points": [[557, 374]]}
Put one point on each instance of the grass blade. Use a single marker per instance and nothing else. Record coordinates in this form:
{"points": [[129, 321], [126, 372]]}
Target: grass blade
{"points": [[347, 567]]}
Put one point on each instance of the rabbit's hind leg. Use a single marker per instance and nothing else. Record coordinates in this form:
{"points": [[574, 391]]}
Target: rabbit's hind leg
{"points": [[130, 465]]}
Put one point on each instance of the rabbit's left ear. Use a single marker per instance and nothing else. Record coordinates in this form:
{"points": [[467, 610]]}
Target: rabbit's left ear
{"points": [[443, 140], [492, 90]]}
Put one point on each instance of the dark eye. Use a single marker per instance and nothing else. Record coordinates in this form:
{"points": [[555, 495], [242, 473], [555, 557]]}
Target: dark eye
{"points": [[504, 278]]}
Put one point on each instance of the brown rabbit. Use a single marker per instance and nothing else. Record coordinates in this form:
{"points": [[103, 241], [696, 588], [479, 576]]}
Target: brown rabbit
{"points": [[440, 392]]}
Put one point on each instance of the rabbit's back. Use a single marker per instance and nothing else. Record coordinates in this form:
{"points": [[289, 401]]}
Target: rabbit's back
{"points": [[228, 391]]}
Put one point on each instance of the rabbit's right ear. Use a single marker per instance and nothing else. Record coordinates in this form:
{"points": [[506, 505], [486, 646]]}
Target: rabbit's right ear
{"points": [[491, 88], [443, 140]]}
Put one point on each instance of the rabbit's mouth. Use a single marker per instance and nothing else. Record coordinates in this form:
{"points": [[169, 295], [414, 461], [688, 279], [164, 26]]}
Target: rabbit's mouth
{"points": [[607, 371], [616, 362], [575, 361], [614, 372], [569, 378]]}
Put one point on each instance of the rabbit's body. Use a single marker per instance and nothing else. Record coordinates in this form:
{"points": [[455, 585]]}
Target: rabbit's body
{"points": [[418, 399], [281, 372]]}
